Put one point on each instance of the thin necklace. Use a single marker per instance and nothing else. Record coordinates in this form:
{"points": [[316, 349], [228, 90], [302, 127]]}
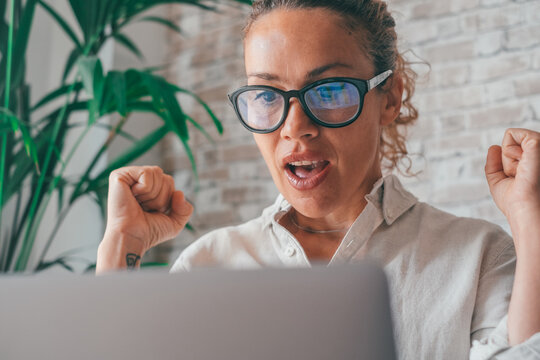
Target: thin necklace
{"points": [[313, 231]]}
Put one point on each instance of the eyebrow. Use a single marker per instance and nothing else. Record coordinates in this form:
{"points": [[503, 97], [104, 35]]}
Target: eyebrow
{"points": [[321, 70], [310, 75]]}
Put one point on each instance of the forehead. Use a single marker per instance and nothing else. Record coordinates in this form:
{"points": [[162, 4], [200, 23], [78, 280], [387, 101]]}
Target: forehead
{"points": [[292, 42]]}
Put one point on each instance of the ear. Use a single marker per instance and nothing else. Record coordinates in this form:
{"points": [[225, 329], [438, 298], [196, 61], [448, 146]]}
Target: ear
{"points": [[392, 95]]}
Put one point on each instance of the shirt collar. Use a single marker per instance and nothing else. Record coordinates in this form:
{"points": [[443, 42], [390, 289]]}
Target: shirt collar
{"points": [[391, 198], [388, 196]]}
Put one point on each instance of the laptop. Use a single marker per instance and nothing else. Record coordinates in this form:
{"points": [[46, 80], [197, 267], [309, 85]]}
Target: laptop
{"points": [[339, 312]]}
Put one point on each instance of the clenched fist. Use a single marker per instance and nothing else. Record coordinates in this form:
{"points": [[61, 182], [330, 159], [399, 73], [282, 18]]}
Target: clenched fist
{"points": [[144, 210], [513, 174]]}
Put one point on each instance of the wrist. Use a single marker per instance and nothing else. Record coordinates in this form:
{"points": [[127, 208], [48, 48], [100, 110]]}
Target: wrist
{"points": [[524, 223], [118, 251]]}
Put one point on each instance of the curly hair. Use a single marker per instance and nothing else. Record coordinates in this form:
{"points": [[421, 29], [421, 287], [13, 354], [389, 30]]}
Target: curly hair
{"points": [[378, 28]]}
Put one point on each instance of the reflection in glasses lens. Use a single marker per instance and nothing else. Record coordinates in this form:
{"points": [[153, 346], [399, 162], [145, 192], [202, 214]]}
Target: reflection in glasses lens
{"points": [[333, 103], [261, 109]]}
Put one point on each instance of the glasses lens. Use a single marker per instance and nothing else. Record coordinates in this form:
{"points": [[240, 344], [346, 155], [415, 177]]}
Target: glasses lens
{"points": [[333, 103], [260, 109]]}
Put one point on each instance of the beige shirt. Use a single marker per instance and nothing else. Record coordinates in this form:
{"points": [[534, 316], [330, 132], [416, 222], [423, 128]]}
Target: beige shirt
{"points": [[450, 278]]}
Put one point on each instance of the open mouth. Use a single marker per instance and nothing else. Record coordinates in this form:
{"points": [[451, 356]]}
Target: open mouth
{"points": [[306, 169], [306, 174]]}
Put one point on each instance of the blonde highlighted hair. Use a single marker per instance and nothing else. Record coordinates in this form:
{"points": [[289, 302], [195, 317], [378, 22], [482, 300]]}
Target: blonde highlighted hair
{"points": [[375, 21]]}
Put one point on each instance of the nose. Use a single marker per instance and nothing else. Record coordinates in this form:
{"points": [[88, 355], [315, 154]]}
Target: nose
{"points": [[297, 125]]}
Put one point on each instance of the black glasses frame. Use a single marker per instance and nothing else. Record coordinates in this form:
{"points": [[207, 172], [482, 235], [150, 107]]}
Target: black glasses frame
{"points": [[363, 86]]}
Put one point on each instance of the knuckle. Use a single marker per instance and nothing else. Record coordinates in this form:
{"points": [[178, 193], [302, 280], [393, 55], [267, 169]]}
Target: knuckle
{"points": [[535, 142], [115, 175]]}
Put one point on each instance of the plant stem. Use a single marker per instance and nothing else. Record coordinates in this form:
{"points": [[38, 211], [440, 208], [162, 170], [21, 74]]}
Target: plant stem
{"points": [[64, 212], [25, 219], [7, 91], [53, 186], [27, 241], [13, 234]]}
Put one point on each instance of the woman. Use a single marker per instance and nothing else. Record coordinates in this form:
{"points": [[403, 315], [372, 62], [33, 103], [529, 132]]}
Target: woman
{"points": [[324, 101]]}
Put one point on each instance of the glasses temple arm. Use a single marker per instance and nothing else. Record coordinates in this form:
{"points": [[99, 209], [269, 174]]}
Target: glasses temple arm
{"points": [[374, 82]]}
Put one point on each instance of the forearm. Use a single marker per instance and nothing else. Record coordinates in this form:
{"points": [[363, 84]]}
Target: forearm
{"points": [[524, 310], [118, 252]]}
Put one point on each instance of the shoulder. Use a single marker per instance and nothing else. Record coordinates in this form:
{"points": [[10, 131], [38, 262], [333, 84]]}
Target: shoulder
{"points": [[401, 207], [431, 218], [463, 236], [434, 231]]}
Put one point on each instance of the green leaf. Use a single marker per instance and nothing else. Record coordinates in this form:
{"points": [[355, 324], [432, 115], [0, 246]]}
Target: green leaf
{"points": [[217, 122], [129, 44], [18, 126], [19, 46], [77, 106], [91, 268], [70, 62], [3, 6], [190, 227], [47, 264], [34, 220], [24, 165], [63, 90], [153, 264], [191, 159], [116, 88], [99, 83], [165, 102], [200, 128], [84, 14], [5, 127], [63, 24], [142, 106], [86, 70], [131, 154], [135, 86], [101, 199], [168, 23], [93, 81], [60, 187]]}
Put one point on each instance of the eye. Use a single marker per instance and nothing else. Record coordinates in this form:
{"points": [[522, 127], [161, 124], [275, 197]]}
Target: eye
{"points": [[266, 97]]}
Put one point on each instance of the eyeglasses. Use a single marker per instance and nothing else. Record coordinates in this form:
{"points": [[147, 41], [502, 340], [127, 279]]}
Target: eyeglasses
{"points": [[333, 102]]}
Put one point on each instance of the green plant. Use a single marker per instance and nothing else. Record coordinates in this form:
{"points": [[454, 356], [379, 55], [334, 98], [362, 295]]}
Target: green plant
{"points": [[33, 153]]}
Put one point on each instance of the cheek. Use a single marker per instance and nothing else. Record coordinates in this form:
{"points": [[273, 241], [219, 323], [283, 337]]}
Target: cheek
{"points": [[360, 142], [267, 146]]}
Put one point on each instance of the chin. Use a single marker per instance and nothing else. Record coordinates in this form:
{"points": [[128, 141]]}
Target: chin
{"points": [[310, 206]]}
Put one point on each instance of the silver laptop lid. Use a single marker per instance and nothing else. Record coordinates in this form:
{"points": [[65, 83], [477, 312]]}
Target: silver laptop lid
{"points": [[317, 313]]}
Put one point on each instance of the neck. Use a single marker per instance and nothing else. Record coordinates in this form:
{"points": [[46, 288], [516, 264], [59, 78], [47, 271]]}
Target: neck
{"points": [[316, 230]]}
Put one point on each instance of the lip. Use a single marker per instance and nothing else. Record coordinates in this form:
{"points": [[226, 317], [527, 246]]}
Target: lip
{"points": [[305, 183]]}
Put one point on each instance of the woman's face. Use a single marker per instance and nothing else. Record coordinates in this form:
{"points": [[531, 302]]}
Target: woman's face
{"points": [[289, 49]]}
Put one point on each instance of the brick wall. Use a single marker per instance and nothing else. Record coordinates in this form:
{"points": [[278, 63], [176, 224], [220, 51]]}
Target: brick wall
{"points": [[484, 77]]}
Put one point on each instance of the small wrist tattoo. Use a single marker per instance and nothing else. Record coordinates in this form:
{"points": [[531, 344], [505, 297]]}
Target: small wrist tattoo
{"points": [[131, 260]]}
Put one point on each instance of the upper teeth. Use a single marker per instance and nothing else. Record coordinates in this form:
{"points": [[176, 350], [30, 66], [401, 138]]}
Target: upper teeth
{"points": [[304, 163]]}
